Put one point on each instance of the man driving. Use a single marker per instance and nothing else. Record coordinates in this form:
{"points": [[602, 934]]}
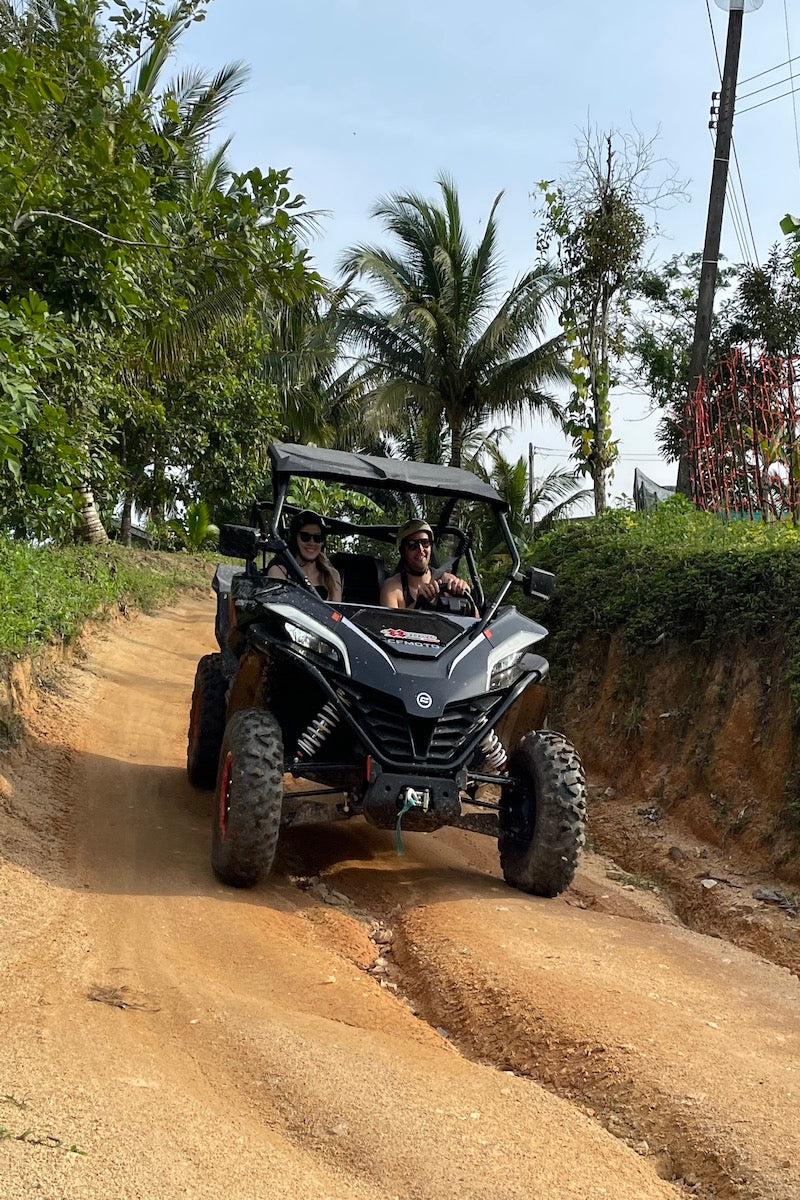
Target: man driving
{"points": [[414, 581]]}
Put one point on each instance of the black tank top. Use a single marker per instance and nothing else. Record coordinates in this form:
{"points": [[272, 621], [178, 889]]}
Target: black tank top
{"points": [[280, 561]]}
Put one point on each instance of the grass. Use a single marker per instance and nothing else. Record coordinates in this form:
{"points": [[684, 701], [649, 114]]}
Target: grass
{"points": [[680, 577], [642, 883], [672, 574], [49, 592]]}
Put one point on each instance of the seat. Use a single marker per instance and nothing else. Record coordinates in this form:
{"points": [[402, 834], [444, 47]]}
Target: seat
{"points": [[362, 576]]}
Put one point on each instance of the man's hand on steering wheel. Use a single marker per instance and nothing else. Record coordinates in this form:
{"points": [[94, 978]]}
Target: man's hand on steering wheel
{"points": [[447, 583], [452, 584], [448, 594]]}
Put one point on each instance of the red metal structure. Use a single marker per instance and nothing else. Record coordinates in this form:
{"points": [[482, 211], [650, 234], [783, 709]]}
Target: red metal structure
{"points": [[744, 439]]}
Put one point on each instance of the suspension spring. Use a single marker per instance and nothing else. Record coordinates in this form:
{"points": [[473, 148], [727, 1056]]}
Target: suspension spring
{"points": [[494, 753], [324, 723]]}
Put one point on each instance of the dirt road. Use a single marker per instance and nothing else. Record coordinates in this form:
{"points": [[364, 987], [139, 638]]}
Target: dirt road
{"points": [[361, 1025]]}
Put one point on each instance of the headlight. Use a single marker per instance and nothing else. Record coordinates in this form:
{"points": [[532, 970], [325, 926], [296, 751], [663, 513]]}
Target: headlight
{"points": [[312, 644], [507, 670]]}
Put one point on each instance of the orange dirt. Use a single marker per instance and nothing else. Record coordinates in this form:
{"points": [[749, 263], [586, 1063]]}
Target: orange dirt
{"points": [[360, 1025]]}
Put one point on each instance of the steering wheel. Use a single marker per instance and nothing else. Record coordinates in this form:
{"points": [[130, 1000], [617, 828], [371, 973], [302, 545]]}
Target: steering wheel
{"points": [[459, 606]]}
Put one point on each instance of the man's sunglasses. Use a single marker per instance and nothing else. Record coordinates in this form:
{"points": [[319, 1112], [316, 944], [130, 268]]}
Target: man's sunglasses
{"points": [[311, 537], [418, 543]]}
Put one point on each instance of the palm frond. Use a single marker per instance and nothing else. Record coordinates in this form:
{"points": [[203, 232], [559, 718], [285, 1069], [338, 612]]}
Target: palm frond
{"points": [[147, 77], [436, 338]]}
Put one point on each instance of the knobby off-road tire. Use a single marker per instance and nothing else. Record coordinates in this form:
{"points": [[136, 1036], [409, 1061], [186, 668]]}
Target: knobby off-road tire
{"points": [[543, 818], [247, 814], [206, 722]]}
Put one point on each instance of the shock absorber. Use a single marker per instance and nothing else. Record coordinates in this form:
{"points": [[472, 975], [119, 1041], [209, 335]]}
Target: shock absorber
{"points": [[494, 753], [324, 723]]}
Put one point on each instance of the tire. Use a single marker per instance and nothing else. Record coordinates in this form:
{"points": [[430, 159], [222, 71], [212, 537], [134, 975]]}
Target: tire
{"points": [[543, 818], [206, 722], [247, 814]]}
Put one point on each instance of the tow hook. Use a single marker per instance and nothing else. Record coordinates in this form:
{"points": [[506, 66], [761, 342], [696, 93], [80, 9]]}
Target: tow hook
{"points": [[411, 798]]}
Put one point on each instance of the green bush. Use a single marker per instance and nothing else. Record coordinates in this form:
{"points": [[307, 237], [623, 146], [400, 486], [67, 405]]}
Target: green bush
{"points": [[674, 572], [48, 592]]}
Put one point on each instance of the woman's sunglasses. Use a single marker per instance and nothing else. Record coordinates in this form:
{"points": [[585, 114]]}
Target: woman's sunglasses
{"points": [[418, 543], [311, 537]]}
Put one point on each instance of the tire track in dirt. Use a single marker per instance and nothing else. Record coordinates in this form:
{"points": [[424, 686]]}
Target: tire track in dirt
{"points": [[633, 1022], [262, 1060]]}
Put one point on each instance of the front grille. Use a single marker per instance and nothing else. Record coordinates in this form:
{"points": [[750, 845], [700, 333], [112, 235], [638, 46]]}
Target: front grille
{"points": [[382, 718], [462, 722], [402, 739]]}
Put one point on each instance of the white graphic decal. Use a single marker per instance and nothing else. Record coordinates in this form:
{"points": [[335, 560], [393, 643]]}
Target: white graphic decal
{"points": [[402, 635]]}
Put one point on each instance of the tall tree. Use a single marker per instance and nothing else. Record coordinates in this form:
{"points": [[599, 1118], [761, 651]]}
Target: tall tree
{"points": [[317, 391], [446, 343], [595, 221], [74, 221], [659, 342], [125, 250]]}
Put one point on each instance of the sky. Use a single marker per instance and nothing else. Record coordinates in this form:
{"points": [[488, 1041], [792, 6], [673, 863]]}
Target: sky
{"points": [[362, 98]]}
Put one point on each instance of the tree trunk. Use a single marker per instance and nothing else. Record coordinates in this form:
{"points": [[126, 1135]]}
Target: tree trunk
{"points": [[683, 485], [158, 507], [125, 523], [599, 477], [456, 445], [600, 389], [92, 529]]}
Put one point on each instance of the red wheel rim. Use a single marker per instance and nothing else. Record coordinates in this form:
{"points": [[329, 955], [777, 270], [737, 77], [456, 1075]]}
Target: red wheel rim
{"points": [[225, 794]]}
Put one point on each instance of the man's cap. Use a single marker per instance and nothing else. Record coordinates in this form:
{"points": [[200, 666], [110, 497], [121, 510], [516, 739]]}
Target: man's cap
{"points": [[415, 525]]}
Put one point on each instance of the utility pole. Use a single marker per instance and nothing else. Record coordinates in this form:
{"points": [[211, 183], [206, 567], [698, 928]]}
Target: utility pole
{"points": [[531, 517], [716, 209]]}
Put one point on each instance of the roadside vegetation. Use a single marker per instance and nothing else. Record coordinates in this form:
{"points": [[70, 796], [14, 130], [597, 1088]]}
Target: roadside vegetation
{"points": [[52, 591], [673, 573], [161, 324]]}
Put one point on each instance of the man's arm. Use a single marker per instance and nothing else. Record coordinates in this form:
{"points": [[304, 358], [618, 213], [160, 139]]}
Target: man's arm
{"points": [[392, 593]]}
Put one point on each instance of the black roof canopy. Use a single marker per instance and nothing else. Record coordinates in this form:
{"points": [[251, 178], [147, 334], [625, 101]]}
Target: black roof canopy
{"points": [[369, 470]]}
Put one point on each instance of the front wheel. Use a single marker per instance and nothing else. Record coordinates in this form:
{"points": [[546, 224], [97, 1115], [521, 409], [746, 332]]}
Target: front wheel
{"points": [[247, 814], [542, 814]]}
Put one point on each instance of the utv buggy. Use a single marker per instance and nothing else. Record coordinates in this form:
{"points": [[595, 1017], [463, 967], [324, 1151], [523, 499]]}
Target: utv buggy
{"points": [[314, 711]]}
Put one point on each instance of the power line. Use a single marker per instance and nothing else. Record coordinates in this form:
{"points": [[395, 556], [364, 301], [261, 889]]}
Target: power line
{"points": [[562, 452], [737, 219], [770, 101], [757, 91], [714, 39], [744, 201], [740, 233], [759, 74], [791, 77]]}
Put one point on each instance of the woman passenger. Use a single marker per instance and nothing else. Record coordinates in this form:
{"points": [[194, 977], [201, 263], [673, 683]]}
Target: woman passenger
{"points": [[306, 543]]}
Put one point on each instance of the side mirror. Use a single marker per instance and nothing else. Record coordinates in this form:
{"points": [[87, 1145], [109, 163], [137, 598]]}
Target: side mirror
{"points": [[239, 541], [539, 583]]}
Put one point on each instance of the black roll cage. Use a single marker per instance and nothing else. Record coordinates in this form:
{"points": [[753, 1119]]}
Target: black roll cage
{"points": [[371, 472]]}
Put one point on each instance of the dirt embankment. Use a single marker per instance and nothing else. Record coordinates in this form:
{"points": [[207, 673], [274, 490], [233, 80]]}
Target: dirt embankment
{"points": [[361, 1025], [693, 759]]}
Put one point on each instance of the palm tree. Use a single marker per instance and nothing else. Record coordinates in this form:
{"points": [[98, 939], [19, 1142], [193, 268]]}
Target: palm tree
{"points": [[317, 391], [214, 289], [443, 345], [533, 504]]}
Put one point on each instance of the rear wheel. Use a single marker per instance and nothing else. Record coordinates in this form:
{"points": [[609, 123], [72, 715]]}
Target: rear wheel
{"points": [[247, 814], [542, 815], [206, 722]]}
